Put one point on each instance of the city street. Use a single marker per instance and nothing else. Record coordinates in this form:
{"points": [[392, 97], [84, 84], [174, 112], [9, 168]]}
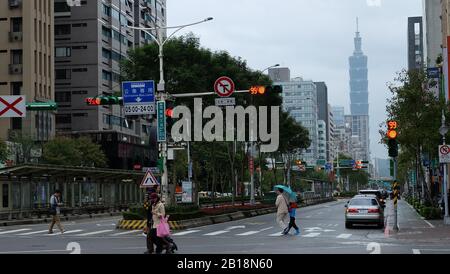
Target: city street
{"points": [[322, 232]]}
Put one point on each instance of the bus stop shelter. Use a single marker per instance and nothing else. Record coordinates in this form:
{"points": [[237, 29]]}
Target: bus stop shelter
{"points": [[25, 190]]}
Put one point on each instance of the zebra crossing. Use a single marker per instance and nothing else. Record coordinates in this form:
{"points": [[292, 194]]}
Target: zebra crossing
{"points": [[306, 232]]}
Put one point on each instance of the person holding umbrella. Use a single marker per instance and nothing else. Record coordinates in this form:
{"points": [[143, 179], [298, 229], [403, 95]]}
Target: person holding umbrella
{"points": [[282, 205]]}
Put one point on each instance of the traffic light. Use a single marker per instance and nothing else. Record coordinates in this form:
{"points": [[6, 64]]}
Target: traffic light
{"points": [[104, 100], [393, 148], [42, 106], [169, 118], [392, 135], [261, 90], [358, 164]]}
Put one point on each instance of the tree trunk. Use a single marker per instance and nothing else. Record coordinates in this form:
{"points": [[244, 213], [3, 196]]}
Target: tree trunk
{"points": [[232, 159]]}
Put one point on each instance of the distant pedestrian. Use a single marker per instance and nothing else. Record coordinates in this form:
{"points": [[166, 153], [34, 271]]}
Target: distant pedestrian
{"points": [[282, 205], [292, 212], [55, 211], [148, 210]]}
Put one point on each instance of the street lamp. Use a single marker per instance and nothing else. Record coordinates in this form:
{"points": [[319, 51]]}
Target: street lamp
{"points": [[162, 95], [443, 131]]}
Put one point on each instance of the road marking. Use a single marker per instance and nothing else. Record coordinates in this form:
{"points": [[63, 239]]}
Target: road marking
{"points": [[33, 251], [344, 236], [276, 234], [336, 225], [185, 232], [235, 227], [416, 251], [126, 232], [94, 233], [311, 235], [217, 233], [33, 232], [248, 233], [430, 224], [308, 217], [13, 231], [67, 232]]}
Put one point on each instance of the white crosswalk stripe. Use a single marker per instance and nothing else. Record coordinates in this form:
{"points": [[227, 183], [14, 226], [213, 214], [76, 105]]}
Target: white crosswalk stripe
{"points": [[14, 231], [248, 233], [33, 232], [344, 236], [311, 235], [217, 233], [126, 232], [67, 232], [95, 233], [276, 234], [185, 232]]}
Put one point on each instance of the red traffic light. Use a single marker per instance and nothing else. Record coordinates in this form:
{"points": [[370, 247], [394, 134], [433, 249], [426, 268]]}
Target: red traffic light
{"points": [[169, 112], [93, 101]]}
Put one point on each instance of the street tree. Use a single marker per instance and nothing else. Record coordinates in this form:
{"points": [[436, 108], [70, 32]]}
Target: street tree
{"points": [[3, 151], [418, 113], [74, 152]]}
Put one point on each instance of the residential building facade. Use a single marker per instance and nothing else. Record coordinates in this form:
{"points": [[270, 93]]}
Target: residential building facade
{"points": [[27, 64], [415, 43], [432, 31], [90, 42]]}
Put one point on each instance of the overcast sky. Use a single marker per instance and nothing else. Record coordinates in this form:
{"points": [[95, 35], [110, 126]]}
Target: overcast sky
{"points": [[314, 38]]}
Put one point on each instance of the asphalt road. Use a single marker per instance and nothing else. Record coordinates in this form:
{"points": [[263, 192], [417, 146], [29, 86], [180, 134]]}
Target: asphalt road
{"points": [[322, 232]]}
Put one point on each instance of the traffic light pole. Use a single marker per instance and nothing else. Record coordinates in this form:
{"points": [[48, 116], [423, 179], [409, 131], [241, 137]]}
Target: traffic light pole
{"points": [[396, 193]]}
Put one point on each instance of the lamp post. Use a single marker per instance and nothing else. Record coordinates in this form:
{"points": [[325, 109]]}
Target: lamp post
{"points": [[162, 95], [252, 153], [443, 131]]}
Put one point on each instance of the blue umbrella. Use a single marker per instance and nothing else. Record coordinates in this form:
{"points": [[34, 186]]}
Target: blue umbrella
{"points": [[291, 194]]}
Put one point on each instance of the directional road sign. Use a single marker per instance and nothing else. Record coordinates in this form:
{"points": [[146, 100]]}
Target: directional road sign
{"points": [[12, 107], [161, 117], [138, 97]]}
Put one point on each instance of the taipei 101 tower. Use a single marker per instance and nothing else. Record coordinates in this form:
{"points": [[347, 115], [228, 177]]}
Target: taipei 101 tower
{"points": [[359, 100]]}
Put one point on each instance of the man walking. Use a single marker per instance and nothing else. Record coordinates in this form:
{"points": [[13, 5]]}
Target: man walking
{"points": [[282, 205], [55, 211]]}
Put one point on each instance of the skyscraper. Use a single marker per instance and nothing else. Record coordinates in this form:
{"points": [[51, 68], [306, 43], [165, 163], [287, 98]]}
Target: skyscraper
{"points": [[359, 96], [27, 64]]}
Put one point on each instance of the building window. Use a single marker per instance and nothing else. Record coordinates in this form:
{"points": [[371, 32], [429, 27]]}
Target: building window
{"points": [[62, 29], [63, 52], [63, 119], [62, 74], [63, 97]]}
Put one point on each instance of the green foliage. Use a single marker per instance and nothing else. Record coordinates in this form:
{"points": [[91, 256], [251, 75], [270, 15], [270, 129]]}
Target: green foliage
{"points": [[3, 151], [132, 216], [418, 114], [23, 146], [74, 152]]}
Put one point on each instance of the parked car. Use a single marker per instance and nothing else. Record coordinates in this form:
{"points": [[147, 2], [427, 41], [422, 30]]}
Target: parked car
{"points": [[364, 209], [375, 192]]}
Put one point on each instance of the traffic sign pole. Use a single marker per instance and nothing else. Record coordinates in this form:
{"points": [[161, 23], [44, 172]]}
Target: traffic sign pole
{"points": [[396, 193]]}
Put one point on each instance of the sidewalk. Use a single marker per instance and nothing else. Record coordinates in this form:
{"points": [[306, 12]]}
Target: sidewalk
{"points": [[412, 226]]}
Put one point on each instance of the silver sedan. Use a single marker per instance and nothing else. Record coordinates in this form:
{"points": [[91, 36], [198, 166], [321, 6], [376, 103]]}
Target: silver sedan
{"points": [[364, 209]]}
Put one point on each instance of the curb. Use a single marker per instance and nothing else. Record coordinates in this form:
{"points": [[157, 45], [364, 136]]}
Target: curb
{"points": [[186, 224], [63, 218]]}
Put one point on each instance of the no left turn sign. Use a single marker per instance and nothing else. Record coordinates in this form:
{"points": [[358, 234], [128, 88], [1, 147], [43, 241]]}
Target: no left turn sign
{"points": [[224, 86]]}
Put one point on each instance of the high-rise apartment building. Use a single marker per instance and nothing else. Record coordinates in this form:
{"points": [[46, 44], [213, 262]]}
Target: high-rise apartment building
{"points": [[432, 31], [26, 64], [300, 100], [415, 43], [324, 112], [90, 42]]}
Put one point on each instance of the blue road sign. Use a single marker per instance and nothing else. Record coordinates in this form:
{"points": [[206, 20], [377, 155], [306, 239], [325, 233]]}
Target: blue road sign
{"points": [[161, 117], [433, 73], [328, 166], [139, 97]]}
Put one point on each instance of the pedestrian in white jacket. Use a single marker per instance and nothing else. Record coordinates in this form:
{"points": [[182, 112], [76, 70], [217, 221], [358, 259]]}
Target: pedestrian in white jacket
{"points": [[282, 205]]}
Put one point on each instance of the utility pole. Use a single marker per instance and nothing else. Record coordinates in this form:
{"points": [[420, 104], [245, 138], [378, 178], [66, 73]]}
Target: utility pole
{"points": [[443, 131]]}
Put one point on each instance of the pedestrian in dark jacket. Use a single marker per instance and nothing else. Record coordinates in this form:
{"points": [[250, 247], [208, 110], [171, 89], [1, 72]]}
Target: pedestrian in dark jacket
{"points": [[292, 212]]}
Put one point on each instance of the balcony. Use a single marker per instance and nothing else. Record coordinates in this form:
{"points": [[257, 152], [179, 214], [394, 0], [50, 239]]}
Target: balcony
{"points": [[15, 36], [15, 69]]}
